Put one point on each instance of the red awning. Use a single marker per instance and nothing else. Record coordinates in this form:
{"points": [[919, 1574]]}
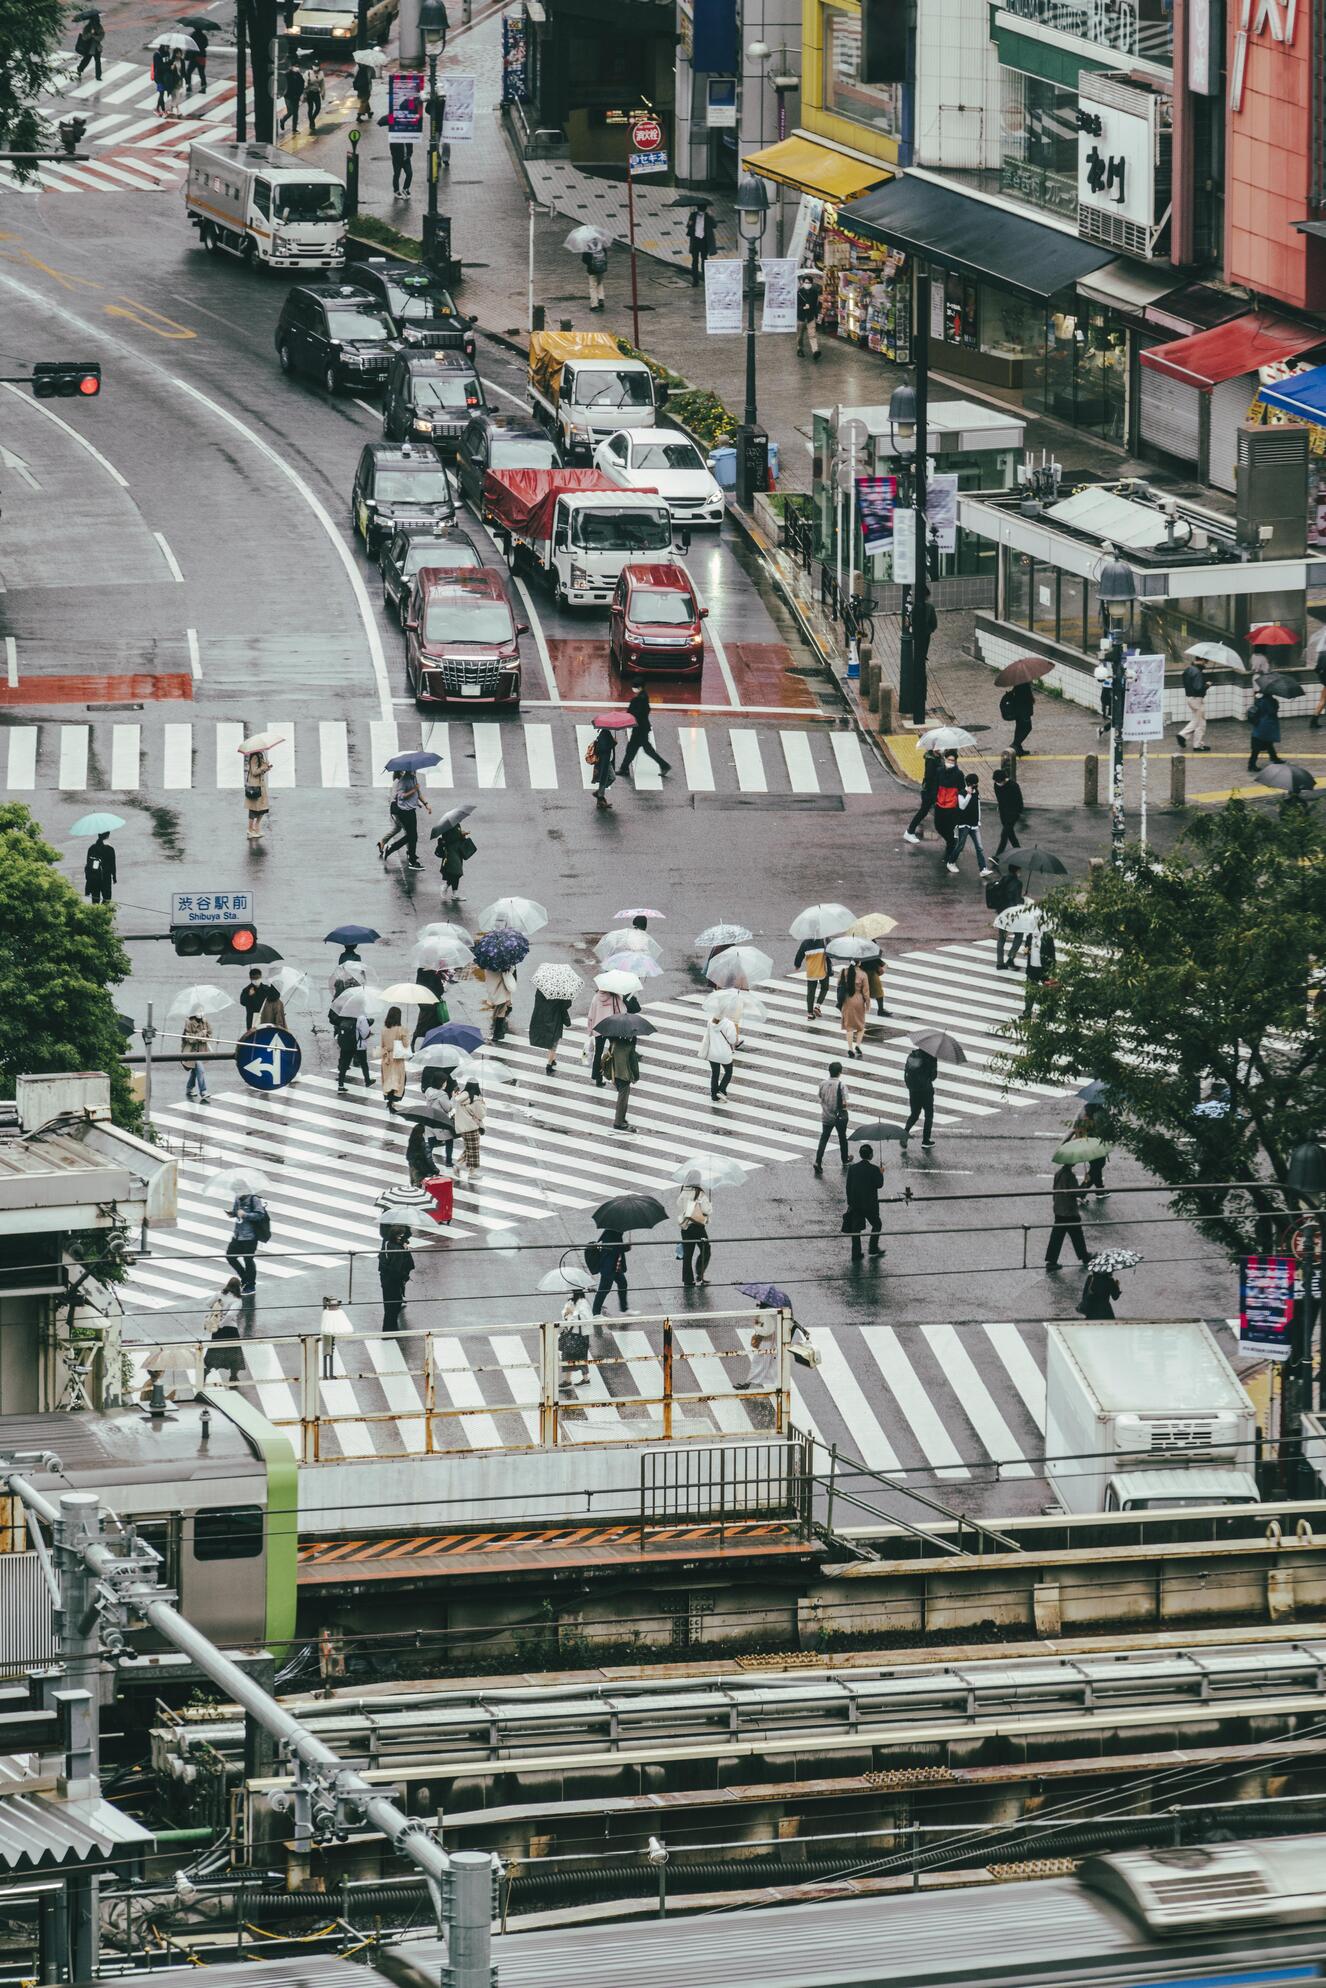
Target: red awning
{"points": [[1226, 350]]}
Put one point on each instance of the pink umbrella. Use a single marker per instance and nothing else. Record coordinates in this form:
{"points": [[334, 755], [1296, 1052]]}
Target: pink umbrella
{"points": [[613, 721]]}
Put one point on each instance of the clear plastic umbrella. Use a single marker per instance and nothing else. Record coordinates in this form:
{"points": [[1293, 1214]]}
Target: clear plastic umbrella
{"points": [[738, 966], [515, 914], [485, 1068], [451, 953], [224, 1186], [736, 1004], [442, 1056], [1218, 655], [440, 928], [585, 239], [202, 999], [361, 1001], [288, 981], [849, 946], [948, 738], [821, 921], [628, 939], [372, 58], [619, 983], [1024, 918], [714, 1170], [722, 935], [643, 965], [566, 1277]]}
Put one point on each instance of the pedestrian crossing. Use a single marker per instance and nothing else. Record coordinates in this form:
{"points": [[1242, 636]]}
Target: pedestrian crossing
{"points": [[134, 145], [193, 755], [549, 1149]]}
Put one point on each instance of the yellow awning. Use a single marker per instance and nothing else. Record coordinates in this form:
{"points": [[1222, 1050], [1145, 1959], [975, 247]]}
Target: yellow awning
{"points": [[816, 169]]}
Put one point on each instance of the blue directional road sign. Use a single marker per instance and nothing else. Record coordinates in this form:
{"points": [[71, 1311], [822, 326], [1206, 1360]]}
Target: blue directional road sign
{"points": [[268, 1059]]}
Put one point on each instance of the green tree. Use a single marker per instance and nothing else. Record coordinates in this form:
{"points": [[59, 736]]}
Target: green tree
{"points": [[1198, 970], [59, 960], [30, 32]]}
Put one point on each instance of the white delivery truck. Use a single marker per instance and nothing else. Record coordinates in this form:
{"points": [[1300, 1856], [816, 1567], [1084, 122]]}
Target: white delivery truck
{"points": [[584, 388], [265, 206], [577, 528], [1145, 1418]]}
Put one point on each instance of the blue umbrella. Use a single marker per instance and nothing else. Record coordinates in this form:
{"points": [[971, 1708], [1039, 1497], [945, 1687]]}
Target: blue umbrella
{"points": [[97, 824], [767, 1295], [463, 1034], [351, 935], [413, 762]]}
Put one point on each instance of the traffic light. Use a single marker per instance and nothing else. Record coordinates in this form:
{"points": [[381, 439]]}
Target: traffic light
{"points": [[54, 379], [228, 944]]}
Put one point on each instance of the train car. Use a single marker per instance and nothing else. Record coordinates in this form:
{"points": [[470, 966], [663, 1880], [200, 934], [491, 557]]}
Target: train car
{"points": [[209, 1484]]}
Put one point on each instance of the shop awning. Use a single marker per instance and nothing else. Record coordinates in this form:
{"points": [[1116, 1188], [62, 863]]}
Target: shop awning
{"points": [[1124, 286], [974, 237], [816, 169], [1303, 396], [1194, 307], [1240, 346]]}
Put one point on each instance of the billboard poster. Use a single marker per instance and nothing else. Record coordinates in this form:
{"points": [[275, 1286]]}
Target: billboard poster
{"points": [[722, 295], [875, 499], [1267, 1287], [1144, 698], [941, 510], [458, 117], [780, 293], [406, 119], [515, 59]]}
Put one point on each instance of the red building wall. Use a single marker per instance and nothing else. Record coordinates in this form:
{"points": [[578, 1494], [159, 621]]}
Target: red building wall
{"points": [[1268, 161]]}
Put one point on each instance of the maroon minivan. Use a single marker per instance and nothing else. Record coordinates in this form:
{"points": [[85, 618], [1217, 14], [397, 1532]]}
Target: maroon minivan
{"points": [[462, 638], [654, 620]]}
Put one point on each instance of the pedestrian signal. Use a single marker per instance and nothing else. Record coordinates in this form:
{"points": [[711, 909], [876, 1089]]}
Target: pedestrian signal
{"points": [[54, 379]]}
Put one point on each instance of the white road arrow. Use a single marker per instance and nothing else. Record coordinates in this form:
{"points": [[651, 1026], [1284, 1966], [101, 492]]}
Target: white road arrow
{"points": [[10, 461]]}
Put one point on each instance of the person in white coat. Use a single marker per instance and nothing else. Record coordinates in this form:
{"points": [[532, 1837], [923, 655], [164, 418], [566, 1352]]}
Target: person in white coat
{"points": [[573, 1341], [719, 1048], [694, 1209]]}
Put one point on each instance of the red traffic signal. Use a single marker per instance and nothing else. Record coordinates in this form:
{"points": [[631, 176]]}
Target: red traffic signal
{"points": [[222, 942], [54, 379], [243, 939]]}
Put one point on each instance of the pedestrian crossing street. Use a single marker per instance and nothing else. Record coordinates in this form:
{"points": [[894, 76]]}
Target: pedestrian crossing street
{"points": [[135, 147], [549, 1150], [186, 755]]}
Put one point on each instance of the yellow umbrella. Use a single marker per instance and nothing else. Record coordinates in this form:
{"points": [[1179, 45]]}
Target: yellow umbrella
{"points": [[875, 925]]}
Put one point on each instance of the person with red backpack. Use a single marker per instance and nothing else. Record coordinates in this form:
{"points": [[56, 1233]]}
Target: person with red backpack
{"points": [[949, 790]]}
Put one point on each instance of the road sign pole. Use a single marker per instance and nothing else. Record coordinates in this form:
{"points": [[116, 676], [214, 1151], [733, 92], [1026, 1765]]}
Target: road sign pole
{"points": [[635, 291]]}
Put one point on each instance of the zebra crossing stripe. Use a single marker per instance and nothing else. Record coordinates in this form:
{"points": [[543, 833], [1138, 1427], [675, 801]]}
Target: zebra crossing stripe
{"points": [[488, 756], [978, 1403], [540, 756], [695, 759], [800, 762], [1021, 1369], [885, 1348], [21, 773], [229, 760], [73, 755], [177, 757], [846, 749], [749, 765], [126, 742], [384, 744], [437, 738], [334, 755]]}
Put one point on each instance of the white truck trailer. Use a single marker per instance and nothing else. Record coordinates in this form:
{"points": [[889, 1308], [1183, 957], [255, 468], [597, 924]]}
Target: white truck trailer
{"points": [[577, 528], [265, 206], [1145, 1417]]}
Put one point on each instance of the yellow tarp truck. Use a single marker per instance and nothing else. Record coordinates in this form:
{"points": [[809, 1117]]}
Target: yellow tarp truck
{"points": [[584, 389]]}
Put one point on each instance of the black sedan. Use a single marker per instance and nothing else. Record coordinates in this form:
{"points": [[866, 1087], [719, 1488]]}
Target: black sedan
{"points": [[500, 441], [423, 311], [408, 552]]}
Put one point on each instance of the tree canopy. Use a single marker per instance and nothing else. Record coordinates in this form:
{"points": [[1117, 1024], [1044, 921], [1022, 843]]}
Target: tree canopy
{"points": [[1187, 980], [59, 960], [30, 32]]}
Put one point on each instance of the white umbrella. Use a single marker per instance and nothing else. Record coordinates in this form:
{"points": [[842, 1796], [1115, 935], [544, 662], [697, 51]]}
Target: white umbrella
{"points": [[516, 914], [948, 738], [736, 1003], [643, 965], [442, 1056], [486, 1069], [203, 999], [557, 981], [361, 1001], [409, 993], [1025, 918], [639, 911], [421, 1220], [224, 1186], [175, 39], [262, 742], [454, 953], [372, 58], [287, 980], [714, 1169], [440, 928], [1314, 646], [739, 966], [821, 921], [721, 935], [566, 1277], [619, 983], [1219, 655], [628, 939]]}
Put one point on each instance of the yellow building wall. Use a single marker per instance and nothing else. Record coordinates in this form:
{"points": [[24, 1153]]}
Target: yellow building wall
{"points": [[814, 117]]}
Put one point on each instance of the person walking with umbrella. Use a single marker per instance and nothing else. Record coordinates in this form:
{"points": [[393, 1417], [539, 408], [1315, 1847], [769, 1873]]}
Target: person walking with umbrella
{"points": [[395, 1268], [1018, 706], [315, 89], [1194, 696], [808, 313], [454, 845], [224, 1356], [1011, 806], [812, 955], [969, 826], [252, 1228], [623, 1067], [852, 1007], [863, 1183], [89, 44], [468, 1114], [1066, 1195], [196, 1040], [1090, 1124], [932, 766], [99, 870], [352, 1038], [407, 798], [604, 762], [835, 1109], [419, 1151], [919, 1073], [948, 795], [257, 768], [1265, 716], [595, 260], [1005, 893], [718, 1048], [1098, 1294], [1040, 966], [573, 1340], [363, 89], [195, 60], [602, 1005], [642, 726], [694, 1209], [161, 77], [391, 1057], [701, 239], [608, 1258], [555, 987]]}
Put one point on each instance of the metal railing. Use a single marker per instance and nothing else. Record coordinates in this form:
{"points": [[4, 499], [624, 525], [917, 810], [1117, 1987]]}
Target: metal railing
{"points": [[798, 533], [727, 1484], [667, 1383]]}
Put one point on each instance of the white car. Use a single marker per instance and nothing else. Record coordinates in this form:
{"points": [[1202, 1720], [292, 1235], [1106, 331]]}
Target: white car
{"points": [[664, 460]]}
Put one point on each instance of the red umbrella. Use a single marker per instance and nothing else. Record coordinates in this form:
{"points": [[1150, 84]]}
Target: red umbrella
{"points": [[613, 721], [1272, 635], [1026, 669]]}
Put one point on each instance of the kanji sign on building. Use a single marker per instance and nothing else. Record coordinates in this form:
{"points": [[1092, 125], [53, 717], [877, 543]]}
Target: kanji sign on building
{"points": [[647, 135]]}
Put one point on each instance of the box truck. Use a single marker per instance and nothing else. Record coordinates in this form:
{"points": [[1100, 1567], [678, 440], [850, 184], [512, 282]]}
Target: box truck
{"points": [[584, 388], [264, 205], [577, 528]]}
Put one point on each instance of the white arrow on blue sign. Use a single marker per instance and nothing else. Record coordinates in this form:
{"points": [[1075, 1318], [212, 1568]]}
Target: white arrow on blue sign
{"points": [[268, 1059]]}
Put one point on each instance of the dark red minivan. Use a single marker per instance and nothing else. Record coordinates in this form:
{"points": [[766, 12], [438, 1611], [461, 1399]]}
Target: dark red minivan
{"points": [[654, 621], [462, 638]]}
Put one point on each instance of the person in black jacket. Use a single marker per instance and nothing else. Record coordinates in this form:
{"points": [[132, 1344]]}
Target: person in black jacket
{"points": [[1067, 1199], [919, 1073], [701, 239], [549, 1019], [395, 1268], [1194, 695], [1008, 800], [929, 785], [1020, 705], [611, 1270], [1098, 1294], [864, 1181], [99, 871], [1040, 967], [642, 727], [1001, 894]]}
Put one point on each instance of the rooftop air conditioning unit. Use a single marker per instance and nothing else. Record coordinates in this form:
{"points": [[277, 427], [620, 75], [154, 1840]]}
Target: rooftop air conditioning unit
{"points": [[1271, 491]]}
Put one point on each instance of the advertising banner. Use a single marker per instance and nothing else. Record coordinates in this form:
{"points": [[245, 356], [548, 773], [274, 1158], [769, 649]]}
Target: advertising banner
{"points": [[780, 293], [722, 295], [406, 117], [875, 500], [1267, 1287]]}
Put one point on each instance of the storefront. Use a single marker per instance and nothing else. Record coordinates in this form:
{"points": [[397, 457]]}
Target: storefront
{"points": [[865, 294], [1196, 391], [1003, 298], [1092, 350]]}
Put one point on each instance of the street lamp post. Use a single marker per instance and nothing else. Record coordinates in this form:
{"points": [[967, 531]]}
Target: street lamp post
{"points": [[1116, 586], [752, 209], [909, 416], [433, 24]]}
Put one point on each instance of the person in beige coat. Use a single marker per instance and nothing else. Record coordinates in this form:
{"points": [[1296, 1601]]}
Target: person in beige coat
{"points": [[257, 766], [852, 1008], [392, 1052], [467, 1115]]}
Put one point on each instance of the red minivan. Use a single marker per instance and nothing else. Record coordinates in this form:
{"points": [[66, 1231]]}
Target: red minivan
{"points": [[654, 621], [462, 638]]}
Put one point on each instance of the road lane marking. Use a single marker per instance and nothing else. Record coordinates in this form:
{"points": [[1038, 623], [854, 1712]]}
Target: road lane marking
{"points": [[39, 407], [746, 758], [143, 314], [126, 752], [851, 764], [21, 774], [540, 641], [694, 743], [516, 399], [169, 557], [648, 777], [436, 737], [978, 1404], [334, 752], [488, 756], [73, 755], [11, 662], [800, 763], [724, 668], [282, 754], [195, 661], [584, 740], [383, 744], [10, 461], [229, 759], [177, 756], [1020, 1367], [540, 756], [918, 1411]]}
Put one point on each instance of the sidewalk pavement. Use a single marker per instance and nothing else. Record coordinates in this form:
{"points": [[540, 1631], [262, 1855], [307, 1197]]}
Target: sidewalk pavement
{"points": [[488, 194]]}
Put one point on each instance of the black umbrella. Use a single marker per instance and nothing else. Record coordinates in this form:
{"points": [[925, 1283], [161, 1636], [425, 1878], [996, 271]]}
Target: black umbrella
{"points": [[259, 955], [203, 21], [621, 1028], [351, 935], [943, 1047], [431, 1110], [691, 200], [1281, 685], [90, 14], [1036, 859], [878, 1128], [1289, 778], [630, 1211]]}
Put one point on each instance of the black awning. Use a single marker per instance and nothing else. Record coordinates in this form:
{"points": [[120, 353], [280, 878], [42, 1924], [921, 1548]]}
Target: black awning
{"points": [[973, 237]]}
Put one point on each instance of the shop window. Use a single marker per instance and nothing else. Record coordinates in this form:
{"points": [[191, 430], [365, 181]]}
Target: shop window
{"points": [[878, 105], [1018, 572], [883, 41], [1038, 122], [1045, 602], [1072, 610], [1011, 327]]}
